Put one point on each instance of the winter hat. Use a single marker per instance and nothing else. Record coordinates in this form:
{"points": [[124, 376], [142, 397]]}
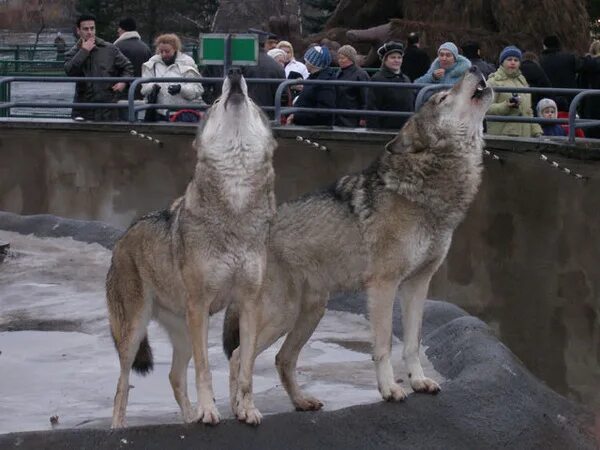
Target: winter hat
{"points": [[349, 52], [318, 56], [275, 52], [509, 51], [451, 47], [390, 47], [546, 103]]}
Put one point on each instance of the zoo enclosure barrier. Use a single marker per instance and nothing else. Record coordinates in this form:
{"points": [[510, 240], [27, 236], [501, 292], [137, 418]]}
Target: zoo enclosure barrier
{"points": [[425, 90]]}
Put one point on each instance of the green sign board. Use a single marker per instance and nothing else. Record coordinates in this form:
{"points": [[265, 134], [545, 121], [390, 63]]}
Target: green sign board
{"points": [[244, 49]]}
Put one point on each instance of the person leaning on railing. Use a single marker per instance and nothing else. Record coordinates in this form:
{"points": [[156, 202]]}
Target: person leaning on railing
{"points": [[94, 57], [318, 61], [511, 104], [350, 97], [390, 98], [170, 62]]}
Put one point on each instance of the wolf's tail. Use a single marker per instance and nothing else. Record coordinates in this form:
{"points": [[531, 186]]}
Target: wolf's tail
{"points": [[231, 329], [143, 362], [121, 326]]}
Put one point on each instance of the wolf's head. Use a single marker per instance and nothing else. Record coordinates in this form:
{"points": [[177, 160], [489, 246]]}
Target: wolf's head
{"points": [[449, 118], [235, 122]]}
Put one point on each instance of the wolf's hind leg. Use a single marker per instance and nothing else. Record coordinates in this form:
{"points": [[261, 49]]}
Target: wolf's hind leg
{"points": [[412, 293], [287, 358], [182, 353], [381, 304], [129, 314], [127, 350]]}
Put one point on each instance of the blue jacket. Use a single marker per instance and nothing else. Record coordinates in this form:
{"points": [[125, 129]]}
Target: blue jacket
{"points": [[452, 75], [553, 130]]}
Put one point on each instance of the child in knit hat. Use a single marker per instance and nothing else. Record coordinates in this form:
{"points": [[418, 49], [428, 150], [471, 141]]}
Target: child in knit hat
{"points": [[546, 109]]}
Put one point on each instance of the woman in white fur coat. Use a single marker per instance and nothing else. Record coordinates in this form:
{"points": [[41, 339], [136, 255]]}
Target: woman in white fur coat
{"points": [[169, 61]]}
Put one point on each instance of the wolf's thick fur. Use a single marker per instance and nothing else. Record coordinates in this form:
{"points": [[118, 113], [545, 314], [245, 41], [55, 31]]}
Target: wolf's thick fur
{"points": [[384, 229], [180, 265]]}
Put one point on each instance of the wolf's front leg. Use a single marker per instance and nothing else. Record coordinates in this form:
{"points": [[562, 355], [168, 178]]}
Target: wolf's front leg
{"points": [[413, 292], [198, 306], [247, 291], [381, 304]]}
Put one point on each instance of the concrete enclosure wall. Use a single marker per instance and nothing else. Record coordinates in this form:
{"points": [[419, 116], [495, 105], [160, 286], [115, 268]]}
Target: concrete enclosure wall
{"points": [[526, 259]]}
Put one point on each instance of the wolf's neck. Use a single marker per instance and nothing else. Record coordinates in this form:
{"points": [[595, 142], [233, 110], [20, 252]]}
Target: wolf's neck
{"points": [[235, 180], [444, 182]]}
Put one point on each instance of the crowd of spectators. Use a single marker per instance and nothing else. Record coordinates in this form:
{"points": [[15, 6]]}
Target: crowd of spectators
{"points": [[408, 66]]}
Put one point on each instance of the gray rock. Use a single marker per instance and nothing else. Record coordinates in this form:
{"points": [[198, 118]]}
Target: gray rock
{"points": [[46, 225]]}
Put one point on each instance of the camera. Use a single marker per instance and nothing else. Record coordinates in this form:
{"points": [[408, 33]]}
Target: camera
{"points": [[515, 99]]}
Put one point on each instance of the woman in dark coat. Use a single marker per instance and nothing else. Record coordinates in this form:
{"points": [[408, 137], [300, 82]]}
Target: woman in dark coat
{"points": [[392, 98], [350, 97]]}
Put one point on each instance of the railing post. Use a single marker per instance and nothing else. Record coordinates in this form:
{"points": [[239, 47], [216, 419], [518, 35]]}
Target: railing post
{"points": [[573, 115], [17, 57], [278, 94], [3, 98]]}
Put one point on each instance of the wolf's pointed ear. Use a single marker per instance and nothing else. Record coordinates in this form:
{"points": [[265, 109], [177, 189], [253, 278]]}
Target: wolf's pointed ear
{"points": [[408, 140]]}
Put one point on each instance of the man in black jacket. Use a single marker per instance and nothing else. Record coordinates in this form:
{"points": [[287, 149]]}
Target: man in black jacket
{"points": [[561, 67], [415, 62], [131, 45], [350, 97], [94, 57], [263, 94], [535, 76], [318, 61], [472, 51]]}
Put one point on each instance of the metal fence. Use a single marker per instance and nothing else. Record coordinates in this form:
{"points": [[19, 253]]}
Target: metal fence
{"points": [[424, 91]]}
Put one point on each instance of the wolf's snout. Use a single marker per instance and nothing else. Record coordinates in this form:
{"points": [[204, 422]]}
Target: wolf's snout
{"points": [[474, 69], [235, 76], [234, 73]]}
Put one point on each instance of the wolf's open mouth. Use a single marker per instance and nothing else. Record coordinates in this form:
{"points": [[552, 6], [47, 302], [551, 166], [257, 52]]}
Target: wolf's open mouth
{"points": [[480, 89]]}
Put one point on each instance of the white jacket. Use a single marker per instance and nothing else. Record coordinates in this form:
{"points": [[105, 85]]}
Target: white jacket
{"points": [[296, 66], [184, 66]]}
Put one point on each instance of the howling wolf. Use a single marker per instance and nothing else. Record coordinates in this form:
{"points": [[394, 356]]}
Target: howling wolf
{"points": [[383, 230], [180, 265]]}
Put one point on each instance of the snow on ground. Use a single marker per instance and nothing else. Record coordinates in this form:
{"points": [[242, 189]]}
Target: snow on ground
{"points": [[57, 357]]}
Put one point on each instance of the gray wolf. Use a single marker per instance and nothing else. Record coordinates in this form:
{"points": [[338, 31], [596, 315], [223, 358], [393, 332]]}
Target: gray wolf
{"points": [[383, 230], [180, 265]]}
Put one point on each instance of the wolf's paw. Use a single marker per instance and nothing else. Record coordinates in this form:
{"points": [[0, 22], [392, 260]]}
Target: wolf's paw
{"points": [[116, 424], [189, 416], [251, 415], [207, 414], [425, 385], [393, 394], [307, 403]]}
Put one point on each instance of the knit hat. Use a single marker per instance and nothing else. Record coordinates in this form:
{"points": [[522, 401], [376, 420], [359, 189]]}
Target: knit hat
{"points": [[390, 47], [318, 56], [275, 52], [545, 103], [349, 52], [509, 51], [451, 47]]}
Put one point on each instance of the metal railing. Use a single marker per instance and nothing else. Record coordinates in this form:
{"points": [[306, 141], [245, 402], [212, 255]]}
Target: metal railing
{"points": [[279, 110], [425, 90]]}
